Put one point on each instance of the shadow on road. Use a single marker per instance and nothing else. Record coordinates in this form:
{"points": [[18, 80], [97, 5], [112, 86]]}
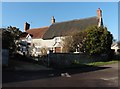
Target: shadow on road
{"points": [[9, 76], [17, 76]]}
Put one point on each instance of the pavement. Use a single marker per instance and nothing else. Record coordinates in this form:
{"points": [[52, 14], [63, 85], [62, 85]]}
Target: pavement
{"points": [[34, 75]]}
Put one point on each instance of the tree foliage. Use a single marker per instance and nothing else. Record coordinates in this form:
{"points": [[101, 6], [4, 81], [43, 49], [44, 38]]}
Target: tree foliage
{"points": [[93, 40], [74, 41], [43, 51], [9, 36], [98, 40], [68, 45]]}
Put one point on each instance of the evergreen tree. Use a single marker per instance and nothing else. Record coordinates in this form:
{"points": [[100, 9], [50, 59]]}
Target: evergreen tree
{"points": [[9, 36]]}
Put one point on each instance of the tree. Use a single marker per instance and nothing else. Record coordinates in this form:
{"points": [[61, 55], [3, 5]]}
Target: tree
{"points": [[98, 40], [74, 41], [78, 40], [9, 36], [92, 40], [68, 44], [43, 51]]}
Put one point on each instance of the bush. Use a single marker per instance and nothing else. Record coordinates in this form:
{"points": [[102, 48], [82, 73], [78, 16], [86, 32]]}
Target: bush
{"points": [[94, 40], [43, 51], [98, 40]]}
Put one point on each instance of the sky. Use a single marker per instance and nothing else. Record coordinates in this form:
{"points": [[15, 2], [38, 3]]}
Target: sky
{"points": [[39, 14]]}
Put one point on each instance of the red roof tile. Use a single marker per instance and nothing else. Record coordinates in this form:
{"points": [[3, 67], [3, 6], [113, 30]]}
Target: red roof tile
{"points": [[23, 35], [37, 32]]}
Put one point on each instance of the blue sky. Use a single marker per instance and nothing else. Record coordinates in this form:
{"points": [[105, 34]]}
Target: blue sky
{"points": [[39, 14]]}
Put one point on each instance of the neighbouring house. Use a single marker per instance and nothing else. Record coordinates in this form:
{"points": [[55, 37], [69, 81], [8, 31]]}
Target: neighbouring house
{"points": [[51, 37], [115, 46]]}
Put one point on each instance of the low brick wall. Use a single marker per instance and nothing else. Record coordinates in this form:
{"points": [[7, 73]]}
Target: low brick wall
{"points": [[65, 59]]}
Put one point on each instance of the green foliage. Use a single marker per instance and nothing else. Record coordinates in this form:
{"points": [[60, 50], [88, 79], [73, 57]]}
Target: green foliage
{"points": [[98, 40], [9, 36], [102, 63], [93, 40]]}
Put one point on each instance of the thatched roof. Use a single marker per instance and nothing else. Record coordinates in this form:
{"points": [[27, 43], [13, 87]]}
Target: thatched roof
{"points": [[64, 28]]}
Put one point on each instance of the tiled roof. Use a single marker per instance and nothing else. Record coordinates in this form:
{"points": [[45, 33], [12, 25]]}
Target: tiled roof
{"points": [[37, 32], [23, 35], [64, 28]]}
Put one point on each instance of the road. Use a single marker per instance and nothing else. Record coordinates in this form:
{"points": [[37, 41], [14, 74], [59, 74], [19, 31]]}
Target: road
{"points": [[104, 76]]}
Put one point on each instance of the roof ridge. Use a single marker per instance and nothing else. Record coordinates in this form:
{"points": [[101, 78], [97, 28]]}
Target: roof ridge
{"points": [[76, 20], [64, 28], [39, 28]]}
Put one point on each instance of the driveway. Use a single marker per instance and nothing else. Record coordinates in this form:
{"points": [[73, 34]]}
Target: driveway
{"points": [[34, 75]]}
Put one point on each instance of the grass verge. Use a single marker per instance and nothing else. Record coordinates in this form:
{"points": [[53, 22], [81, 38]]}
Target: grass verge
{"points": [[102, 63]]}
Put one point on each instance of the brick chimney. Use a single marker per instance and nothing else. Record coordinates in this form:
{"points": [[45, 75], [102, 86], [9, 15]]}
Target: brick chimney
{"points": [[53, 20], [26, 26], [99, 15]]}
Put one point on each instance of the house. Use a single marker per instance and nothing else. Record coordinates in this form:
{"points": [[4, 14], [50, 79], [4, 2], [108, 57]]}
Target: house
{"points": [[51, 37], [115, 46]]}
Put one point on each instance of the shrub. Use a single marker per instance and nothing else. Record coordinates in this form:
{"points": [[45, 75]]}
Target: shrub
{"points": [[43, 51], [98, 40]]}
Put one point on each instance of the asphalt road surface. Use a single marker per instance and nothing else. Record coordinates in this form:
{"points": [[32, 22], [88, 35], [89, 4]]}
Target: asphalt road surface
{"points": [[38, 76]]}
